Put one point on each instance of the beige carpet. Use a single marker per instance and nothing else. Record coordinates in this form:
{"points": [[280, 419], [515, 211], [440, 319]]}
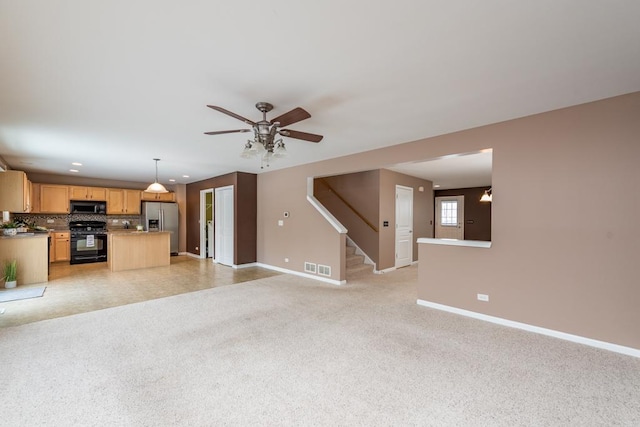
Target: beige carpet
{"points": [[291, 351]]}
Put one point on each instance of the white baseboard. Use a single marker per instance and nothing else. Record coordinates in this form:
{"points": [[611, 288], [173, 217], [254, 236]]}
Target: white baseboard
{"points": [[297, 273], [190, 254], [536, 329], [386, 270], [241, 266]]}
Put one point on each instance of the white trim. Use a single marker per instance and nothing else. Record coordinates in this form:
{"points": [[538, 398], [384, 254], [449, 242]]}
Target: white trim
{"points": [[297, 273], [454, 242], [536, 329], [192, 255], [359, 251], [386, 270], [323, 211], [241, 266]]}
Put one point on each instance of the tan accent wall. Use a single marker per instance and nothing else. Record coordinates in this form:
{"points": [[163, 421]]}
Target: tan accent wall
{"points": [[362, 191], [372, 193], [565, 236], [422, 213]]}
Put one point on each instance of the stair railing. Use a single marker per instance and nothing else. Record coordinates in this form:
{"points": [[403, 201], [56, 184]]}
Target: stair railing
{"points": [[347, 204]]}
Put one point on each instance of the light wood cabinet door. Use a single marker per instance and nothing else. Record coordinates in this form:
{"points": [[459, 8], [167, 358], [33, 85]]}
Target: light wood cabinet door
{"points": [[87, 193], [15, 195], [132, 202], [54, 198], [35, 198], [115, 201], [62, 247], [123, 202], [159, 197]]}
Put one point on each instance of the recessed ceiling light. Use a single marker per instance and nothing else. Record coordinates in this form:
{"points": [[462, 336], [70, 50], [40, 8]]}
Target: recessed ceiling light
{"points": [[172, 180], [76, 164], [436, 185], [74, 170], [185, 176]]}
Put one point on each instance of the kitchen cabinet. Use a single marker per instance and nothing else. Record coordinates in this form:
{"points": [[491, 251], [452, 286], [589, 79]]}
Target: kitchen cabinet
{"points": [[159, 197], [60, 246], [35, 198], [123, 202], [54, 198], [16, 192], [87, 193]]}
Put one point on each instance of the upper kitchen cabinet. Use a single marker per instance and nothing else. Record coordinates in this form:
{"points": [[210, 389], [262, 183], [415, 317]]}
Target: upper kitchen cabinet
{"points": [[158, 197], [87, 193], [123, 202], [16, 192], [54, 198]]}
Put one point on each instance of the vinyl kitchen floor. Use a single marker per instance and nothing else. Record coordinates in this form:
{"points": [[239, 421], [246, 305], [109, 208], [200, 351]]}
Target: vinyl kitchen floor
{"points": [[74, 289]]}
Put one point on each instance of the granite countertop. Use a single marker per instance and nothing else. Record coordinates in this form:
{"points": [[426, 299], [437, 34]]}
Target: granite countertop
{"points": [[25, 235]]}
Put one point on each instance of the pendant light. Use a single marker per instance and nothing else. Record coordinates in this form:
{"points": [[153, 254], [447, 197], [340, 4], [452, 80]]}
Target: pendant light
{"points": [[156, 187]]}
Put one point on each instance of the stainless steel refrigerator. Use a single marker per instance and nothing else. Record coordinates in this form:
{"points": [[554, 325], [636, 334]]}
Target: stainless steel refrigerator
{"points": [[159, 216]]}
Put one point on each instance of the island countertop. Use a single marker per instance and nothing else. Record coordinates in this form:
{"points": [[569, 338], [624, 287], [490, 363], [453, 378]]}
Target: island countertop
{"points": [[30, 250], [131, 249]]}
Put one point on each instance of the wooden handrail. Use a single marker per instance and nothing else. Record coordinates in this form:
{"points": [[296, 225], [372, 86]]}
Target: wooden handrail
{"points": [[347, 204]]}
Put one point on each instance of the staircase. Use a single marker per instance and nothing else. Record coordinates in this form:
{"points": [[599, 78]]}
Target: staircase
{"points": [[355, 263]]}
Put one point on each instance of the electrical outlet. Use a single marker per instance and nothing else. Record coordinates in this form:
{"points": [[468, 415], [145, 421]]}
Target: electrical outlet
{"points": [[286, 260], [280, 222], [483, 297]]}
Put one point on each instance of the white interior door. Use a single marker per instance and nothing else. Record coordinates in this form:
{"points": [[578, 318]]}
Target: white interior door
{"points": [[450, 217], [404, 226], [224, 227]]}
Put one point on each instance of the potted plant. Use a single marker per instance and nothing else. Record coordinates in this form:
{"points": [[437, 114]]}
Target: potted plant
{"points": [[10, 274], [10, 229]]}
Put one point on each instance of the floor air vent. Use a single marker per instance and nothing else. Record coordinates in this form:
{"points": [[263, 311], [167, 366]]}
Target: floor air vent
{"points": [[324, 270], [309, 267]]}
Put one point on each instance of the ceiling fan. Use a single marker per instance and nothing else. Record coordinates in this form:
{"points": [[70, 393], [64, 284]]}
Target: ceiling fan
{"points": [[265, 131]]}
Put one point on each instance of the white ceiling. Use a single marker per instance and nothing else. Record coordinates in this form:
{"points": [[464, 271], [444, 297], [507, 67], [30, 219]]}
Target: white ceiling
{"points": [[114, 84]]}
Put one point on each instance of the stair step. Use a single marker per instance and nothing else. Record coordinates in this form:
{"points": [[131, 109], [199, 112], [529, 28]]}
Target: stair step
{"points": [[353, 260]]}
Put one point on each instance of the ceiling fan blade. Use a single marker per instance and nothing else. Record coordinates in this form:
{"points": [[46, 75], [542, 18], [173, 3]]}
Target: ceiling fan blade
{"points": [[300, 135], [291, 117], [227, 131], [234, 115]]}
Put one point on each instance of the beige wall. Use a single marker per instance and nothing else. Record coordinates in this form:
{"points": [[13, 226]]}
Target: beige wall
{"points": [[422, 213], [564, 231]]}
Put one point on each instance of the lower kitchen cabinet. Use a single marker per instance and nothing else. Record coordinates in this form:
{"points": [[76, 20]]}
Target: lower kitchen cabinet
{"points": [[60, 246]]}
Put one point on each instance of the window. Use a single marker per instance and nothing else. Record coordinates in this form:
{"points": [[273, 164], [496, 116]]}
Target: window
{"points": [[449, 213]]}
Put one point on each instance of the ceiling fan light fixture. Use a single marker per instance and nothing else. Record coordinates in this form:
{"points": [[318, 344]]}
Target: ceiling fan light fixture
{"points": [[280, 150], [249, 151], [156, 187]]}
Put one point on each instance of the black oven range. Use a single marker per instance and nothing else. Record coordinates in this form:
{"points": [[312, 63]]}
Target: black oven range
{"points": [[88, 241]]}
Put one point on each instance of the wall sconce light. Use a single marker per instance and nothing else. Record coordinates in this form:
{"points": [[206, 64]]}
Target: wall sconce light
{"points": [[487, 196]]}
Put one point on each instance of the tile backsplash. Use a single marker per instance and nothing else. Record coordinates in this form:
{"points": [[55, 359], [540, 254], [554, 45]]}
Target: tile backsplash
{"points": [[61, 222]]}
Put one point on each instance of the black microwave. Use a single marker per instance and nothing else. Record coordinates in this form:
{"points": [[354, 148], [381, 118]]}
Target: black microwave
{"points": [[84, 207]]}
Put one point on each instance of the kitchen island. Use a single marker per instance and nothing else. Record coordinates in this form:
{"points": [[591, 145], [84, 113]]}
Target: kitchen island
{"points": [[30, 250], [131, 250]]}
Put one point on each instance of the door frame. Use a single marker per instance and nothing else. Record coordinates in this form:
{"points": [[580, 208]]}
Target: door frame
{"points": [[203, 219], [437, 228], [396, 235], [219, 203]]}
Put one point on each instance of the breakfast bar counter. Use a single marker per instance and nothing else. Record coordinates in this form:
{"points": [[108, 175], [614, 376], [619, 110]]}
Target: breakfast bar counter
{"points": [[30, 250], [138, 249]]}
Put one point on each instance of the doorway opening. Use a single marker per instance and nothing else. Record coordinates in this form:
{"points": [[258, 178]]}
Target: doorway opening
{"points": [[206, 224]]}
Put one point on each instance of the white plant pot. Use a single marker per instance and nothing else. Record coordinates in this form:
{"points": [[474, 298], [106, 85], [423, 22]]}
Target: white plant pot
{"points": [[11, 284], [10, 231]]}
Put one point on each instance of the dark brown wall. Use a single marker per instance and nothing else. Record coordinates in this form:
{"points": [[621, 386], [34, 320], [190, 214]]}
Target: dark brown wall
{"points": [[477, 214], [245, 206]]}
